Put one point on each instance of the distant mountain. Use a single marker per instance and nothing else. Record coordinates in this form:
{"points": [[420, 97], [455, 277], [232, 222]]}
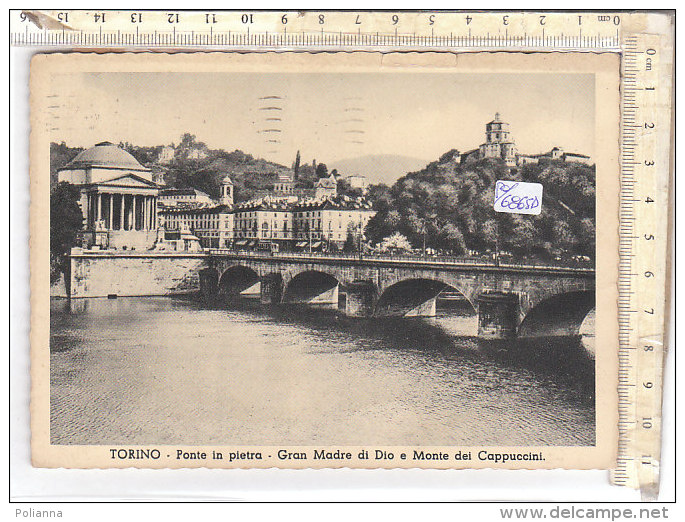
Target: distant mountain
{"points": [[378, 168]]}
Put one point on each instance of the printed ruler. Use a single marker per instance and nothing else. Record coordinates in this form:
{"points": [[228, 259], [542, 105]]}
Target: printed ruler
{"points": [[644, 225], [645, 41], [331, 29]]}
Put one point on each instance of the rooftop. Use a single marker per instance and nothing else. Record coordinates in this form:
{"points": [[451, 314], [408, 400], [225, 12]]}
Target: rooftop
{"points": [[203, 208], [106, 155], [182, 192]]}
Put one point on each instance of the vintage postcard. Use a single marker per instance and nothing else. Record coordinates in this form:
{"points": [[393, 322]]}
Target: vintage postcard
{"points": [[324, 260]]}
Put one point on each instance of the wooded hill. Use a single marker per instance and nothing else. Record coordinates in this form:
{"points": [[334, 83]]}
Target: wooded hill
{"points": [[249, 174], [451, 205]]}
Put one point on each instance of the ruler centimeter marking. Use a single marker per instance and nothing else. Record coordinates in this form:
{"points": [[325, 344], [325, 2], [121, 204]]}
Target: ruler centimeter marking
{"points": [[336, 29], [644, 155], [643, 230]]}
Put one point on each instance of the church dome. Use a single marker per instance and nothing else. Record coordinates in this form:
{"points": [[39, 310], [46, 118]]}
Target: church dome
{"points": [[108, 155]]}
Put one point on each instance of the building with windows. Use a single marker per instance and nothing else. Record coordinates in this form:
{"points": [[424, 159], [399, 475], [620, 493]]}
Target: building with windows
{"points": [[500, 144], [166, 155], [179, 196], [118, 198], [326, 187], [196, 212], [358, 182], [226, 197], [284, 185], [324, 224], [263, 224], [211, 224], [556, 154]]}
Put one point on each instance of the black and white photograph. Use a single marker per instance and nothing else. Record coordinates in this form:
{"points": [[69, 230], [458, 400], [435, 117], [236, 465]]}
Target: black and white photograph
{"points": [[303, 263]]}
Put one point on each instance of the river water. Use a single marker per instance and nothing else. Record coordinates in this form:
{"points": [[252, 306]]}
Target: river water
{"points": [[173, 370]]}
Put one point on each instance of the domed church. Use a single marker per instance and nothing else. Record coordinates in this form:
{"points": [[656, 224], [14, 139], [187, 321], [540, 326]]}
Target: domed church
{"points": [[118, 198]]}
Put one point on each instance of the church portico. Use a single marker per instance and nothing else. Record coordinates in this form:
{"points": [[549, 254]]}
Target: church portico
{"points": [[120, 210], [119, 204]]}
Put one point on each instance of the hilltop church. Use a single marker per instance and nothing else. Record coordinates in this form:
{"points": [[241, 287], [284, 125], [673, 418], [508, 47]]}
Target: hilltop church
{"points": [[500, 144]]}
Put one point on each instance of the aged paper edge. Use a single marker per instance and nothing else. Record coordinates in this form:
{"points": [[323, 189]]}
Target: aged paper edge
{"points": [[604, 66]]}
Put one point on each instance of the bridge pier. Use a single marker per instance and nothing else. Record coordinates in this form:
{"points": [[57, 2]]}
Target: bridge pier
{"points": [[271, 288], [497, 315], [360, 299], [209, 283]]}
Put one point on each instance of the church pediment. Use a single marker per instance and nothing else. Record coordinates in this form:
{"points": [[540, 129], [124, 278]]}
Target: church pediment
{"points": [[129, 180]]}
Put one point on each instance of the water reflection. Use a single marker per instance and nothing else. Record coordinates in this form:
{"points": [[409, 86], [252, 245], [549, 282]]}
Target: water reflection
{"points": [[164, 370]]}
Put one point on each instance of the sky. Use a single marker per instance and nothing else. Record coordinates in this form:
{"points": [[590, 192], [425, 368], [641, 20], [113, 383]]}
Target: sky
{"points": [[328, 117]]}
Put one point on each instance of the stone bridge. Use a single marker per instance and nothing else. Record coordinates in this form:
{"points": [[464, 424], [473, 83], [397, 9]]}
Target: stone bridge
{"points": [[511, 300]]}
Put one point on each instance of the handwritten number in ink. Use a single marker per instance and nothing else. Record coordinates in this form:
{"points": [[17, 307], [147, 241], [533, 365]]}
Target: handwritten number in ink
{"points": [[505, 198]]}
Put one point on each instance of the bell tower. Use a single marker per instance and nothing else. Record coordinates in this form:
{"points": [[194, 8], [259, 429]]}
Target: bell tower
{"points": [[226, 191], [497, 131]]}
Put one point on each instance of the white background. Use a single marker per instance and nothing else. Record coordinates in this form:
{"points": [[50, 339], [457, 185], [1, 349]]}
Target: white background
{"points": [[31, 485]]}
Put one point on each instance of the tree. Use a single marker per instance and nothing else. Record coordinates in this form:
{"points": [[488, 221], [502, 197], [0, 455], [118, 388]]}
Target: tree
{"points": [[352, 240], [296, 165], [450, 205], [187, 141], [395, 242], [321, 171], [66, 221], [344, 188], [60, 155]]}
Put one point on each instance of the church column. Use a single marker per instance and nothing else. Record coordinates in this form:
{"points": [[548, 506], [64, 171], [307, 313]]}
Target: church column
{"points": [[99, 206], [132, 214], [148, 213], [129, 217], [110, 225], [122, 197], [93, 210], [121, 211], [154, 214], [89, 213]]}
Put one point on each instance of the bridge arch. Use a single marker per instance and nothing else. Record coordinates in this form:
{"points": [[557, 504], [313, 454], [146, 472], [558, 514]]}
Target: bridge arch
{"points": [[312, 286], [236, 279], [410, 296], [559, 315]]}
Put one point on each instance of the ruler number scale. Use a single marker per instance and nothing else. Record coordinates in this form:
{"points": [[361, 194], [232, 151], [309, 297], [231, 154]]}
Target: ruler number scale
{"points": [[642, 262], [331, 29]]}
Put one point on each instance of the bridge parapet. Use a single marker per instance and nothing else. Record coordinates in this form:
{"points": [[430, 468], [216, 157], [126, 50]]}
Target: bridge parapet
{"points": [[371, 285]]}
